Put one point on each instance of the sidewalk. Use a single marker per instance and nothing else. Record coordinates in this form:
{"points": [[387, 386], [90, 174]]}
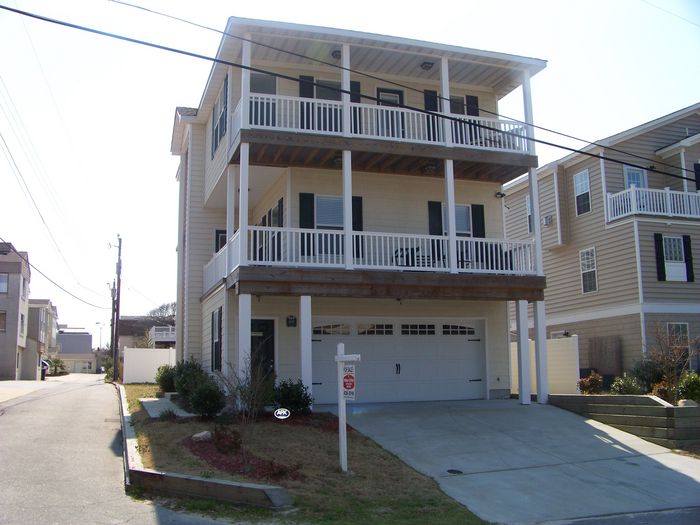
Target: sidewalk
{"points": [[12, 389]]}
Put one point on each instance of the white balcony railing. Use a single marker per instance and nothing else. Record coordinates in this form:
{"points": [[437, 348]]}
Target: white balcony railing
{"points": [[666, 203], [162, 333], [215, 269], [305, 115]]}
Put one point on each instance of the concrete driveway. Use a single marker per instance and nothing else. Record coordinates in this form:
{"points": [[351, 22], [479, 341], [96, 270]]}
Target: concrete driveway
{"points": [[531, 464]]}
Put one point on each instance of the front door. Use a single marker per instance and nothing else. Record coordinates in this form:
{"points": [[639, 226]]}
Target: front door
{"points": [[391, 123], [262, 347]]}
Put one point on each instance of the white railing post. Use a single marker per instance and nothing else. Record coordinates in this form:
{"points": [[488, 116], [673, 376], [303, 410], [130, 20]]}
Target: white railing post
{"points": [[633, 198], [669, 205]]}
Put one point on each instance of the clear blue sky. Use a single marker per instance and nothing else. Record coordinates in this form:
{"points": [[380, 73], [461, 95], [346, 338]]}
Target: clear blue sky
{"points": [[88, 120]]}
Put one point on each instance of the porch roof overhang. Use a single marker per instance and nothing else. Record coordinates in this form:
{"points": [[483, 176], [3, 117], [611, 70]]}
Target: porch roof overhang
{"points": [[317, 282], [284, 149]]}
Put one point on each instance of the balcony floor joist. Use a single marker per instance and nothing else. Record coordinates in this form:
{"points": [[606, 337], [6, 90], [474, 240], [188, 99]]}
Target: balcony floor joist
{"points": [[259, 280], [284, 149]]}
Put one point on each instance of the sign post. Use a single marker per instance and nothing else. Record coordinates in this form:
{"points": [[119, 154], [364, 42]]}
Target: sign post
{"points": [[346, 390]]}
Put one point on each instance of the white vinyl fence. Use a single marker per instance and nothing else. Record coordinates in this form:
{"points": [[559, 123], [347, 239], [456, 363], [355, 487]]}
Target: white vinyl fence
{"points": [[141, 364], [562, 365]]}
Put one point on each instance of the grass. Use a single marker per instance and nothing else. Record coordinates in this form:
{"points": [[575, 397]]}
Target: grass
{"points": [[379, 488]]}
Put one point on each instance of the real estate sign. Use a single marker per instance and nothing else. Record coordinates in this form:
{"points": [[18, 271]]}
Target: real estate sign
{"points": [[349, 382]]}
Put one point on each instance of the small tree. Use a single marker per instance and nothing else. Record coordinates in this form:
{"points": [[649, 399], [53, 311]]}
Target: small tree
{"points": [[144, 341], [251, 390], [56, 366], [671, 354]]}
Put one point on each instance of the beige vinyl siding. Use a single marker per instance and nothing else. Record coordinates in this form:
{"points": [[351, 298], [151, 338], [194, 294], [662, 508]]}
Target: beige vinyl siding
{"points": [[550, 237], [287, 344], [516, 214], [645, 145], [209, 305], [656, 291], [628, 327], [200, 225], [398, 203]]}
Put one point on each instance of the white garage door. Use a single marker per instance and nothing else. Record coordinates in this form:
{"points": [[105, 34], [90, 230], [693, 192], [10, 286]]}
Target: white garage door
{"points": [[402, 359]]}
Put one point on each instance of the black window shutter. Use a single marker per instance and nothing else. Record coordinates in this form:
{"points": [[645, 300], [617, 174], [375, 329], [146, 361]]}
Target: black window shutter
{"points": [[696, 166], [306, 220], [688, 255], [280, 213], [219, 332], [434, 218], [306, 86], [306, 90], [430, 101], [660, 259], [355, 91], [357, 225], [478, 224], [213, 350], [472, 105]]}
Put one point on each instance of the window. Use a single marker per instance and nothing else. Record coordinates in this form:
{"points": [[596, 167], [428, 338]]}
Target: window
{"points": [[582, 191], [417, 329], [21, 323], [457, 106], [589, 279], [3, 321], [463, 220], [218, 117], [332, 329], [636, 176], [263, 83], [329, 213], [216, 338], [674, 258], [452, 329], [375, 329], [4, 281], [528, 208], [219, 240], [328, 90], [678, 335]]}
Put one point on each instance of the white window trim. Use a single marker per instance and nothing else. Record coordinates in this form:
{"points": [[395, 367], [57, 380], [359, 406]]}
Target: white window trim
{"points": [[595, 269], [460, 233], [687, 330], [627, 169], [590, 196], [675, 270], [7, 282]]}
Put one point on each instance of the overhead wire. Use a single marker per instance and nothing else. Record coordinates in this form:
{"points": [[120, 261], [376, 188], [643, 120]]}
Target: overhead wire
{"points": [[444, 100], [295, 79], [26, 260]]}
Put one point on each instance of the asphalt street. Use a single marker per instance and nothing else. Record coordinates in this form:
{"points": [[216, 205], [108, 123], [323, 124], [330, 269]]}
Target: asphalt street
{"points": [[61, 457]]}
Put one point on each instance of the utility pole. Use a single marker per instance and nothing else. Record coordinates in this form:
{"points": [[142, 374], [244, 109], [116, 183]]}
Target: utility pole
{"points": [[115, 353], [113, 292]]}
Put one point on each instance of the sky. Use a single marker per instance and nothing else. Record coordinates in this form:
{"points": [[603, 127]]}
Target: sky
{"points": [[86, 121]]}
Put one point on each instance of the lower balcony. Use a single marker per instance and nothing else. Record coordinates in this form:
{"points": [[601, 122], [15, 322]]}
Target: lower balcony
{"points": [[373, 251], [659, 203]]}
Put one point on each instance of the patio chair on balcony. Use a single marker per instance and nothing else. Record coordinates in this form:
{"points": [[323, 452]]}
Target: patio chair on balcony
{"points": [[406, 256]]}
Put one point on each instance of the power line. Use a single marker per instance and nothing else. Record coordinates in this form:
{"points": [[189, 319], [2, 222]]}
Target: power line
{"points": [[671, 13], [397, 84], [295, 79], [50, 279]]}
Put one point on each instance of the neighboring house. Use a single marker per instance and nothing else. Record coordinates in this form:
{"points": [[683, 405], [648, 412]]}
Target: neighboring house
{"points": [[42, 332], [310, 217], [139, 331], [621, 240], [16, 362], [76, 350]]}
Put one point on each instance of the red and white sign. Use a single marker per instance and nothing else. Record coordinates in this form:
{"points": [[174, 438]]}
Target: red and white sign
{"points": [[349, 382]]}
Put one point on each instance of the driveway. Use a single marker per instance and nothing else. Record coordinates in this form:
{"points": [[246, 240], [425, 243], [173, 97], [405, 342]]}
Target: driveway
{"points": [[531, 464]]}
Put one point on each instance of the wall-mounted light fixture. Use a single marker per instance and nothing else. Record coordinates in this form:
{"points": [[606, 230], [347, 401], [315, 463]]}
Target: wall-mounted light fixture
{"points": [[291, 321], [336, 54], [499, 194], [427, 66]]}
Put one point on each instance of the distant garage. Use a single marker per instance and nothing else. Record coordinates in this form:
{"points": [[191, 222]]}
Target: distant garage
{"points": [[417, 359]]}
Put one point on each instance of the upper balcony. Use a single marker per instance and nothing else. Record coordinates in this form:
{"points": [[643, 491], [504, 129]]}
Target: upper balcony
{"points": [[654, 203]]}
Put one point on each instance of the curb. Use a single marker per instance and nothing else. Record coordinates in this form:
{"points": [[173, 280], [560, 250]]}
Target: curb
{"points": [[180, 485]]}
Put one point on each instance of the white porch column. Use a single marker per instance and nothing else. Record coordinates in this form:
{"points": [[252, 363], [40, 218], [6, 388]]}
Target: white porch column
{"points": [[231, 187], [524, 388], [244, 318], [541, 353], [538, 307], [243, 205], [444, 99], [347, 209], [245, 82], [683, 172], [226, 364], [451, 225], [305, 340], [345, 86]]}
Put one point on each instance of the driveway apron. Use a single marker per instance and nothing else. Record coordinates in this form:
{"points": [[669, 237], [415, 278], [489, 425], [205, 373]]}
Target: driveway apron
{"points": [[510, 463]]}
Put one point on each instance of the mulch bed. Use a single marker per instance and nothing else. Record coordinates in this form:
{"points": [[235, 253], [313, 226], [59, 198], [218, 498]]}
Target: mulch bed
{"points": [[250, 466]]}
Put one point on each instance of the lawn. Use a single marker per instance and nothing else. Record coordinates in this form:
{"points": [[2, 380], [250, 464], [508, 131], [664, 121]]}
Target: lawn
{"points": [[379, 488]]}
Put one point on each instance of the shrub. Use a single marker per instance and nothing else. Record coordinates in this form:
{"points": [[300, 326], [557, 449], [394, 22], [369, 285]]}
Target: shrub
{"points": [[593, 384], [293, 396], [226, 439], [188, 375], [207, 399], [689, 386], [660, 389], [167, 415], [165, 377], [626, 384], [647, 372]]}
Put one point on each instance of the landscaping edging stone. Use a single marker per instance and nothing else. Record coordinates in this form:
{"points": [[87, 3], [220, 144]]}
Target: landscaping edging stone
{"points": [[180, 485]]}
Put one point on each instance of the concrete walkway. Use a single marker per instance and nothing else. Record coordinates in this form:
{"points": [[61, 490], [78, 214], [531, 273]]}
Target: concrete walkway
{"points": [[530, 464]]}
